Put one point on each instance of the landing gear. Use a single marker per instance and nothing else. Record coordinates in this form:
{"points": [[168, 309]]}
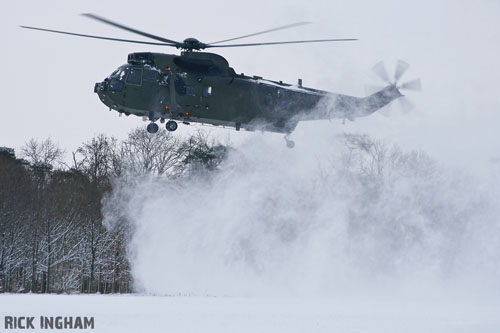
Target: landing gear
{"points": [[152, 128], [171, 125], [289, 143]]}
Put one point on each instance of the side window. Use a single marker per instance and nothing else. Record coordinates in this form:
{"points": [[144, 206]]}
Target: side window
{"points": [[151, 75], [207, 91], [134, 76], [180, 85], [190, 90]]}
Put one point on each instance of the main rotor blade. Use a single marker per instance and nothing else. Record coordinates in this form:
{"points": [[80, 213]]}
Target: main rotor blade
{"points": [[380, 70], [414, 85], [98, 37], [288, 42], [401, 68], [145, 34], [263, 32]]}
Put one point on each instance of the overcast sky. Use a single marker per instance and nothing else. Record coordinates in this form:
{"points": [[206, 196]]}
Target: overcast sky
{"points": [[48, 79]]}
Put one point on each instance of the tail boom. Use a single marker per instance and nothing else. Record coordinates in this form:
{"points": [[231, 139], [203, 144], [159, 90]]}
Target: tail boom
{"points": [[350, 107]]}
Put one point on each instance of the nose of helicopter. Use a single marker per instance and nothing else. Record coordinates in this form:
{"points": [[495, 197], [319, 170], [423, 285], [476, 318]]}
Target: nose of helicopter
{"points": [[99, 87]]}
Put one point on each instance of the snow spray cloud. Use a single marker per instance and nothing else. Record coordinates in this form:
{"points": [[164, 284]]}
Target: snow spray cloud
{"points": [[357, 214]]}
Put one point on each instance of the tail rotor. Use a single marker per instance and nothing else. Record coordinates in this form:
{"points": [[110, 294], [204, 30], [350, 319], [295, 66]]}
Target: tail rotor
{"points": [[413, 85]]}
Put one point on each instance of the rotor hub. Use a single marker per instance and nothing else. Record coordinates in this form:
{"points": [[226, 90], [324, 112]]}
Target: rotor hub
{"points": [[192, 44]]}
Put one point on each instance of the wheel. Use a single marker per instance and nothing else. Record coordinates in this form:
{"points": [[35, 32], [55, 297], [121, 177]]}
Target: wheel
{"points": [[171, 125], [152, 128], [290, 144]]}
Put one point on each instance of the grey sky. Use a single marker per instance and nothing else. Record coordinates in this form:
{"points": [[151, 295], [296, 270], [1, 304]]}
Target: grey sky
{"points": [[47, 86]]}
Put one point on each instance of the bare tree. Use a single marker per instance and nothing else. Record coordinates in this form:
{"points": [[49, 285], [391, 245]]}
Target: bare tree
{"points": [[198, 153], [143, 152], [45, 152], [99, 158]]}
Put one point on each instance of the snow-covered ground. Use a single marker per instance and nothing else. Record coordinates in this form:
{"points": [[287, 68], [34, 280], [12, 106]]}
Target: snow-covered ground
{"points": [[128, 313]]}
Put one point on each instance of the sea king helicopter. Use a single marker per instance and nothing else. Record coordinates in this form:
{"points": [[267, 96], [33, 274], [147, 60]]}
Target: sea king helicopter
{"points": [[201, 87]]}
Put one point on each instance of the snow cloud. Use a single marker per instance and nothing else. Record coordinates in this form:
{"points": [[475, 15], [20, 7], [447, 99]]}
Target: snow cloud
{"points": [[357, 216]]}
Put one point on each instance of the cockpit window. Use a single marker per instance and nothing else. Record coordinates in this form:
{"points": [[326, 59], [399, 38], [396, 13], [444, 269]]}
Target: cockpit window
{"points": [[119, 73], [134, 76], [115, 84]]}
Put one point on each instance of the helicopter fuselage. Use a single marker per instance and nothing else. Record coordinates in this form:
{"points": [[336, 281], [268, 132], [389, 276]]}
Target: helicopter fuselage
{"points": [[200, 87]]}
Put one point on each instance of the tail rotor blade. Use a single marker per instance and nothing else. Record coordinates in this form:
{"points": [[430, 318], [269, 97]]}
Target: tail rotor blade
{"points": [[414, 85], [401, 68], [386, 111], [406, 105], [380, 70], [371, 89]]}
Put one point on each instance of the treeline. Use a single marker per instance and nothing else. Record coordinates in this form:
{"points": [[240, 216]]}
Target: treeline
{"points": [[52, 237]]}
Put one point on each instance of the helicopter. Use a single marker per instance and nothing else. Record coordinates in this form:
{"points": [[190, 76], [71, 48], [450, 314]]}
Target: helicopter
{"points": [[201, 87]]}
